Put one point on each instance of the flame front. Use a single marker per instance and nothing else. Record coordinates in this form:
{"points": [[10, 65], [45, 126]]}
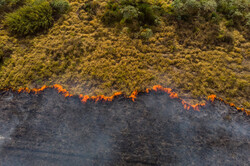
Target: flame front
{"points": [[133, 96]]}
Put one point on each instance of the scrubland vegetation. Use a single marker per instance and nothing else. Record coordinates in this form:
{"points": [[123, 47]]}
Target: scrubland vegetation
{"points": [[35, 16], [196, 47]]}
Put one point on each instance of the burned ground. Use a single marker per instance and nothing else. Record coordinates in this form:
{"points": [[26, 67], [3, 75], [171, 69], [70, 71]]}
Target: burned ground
{"points": [[49, 129]]}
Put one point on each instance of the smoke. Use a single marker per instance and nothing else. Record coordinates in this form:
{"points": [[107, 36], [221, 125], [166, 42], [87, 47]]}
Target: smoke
{"points": [[8, 119], [6, 128], [49, 129]]}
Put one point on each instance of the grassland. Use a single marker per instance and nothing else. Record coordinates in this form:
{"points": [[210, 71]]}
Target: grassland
{"points": [[87, 57]]}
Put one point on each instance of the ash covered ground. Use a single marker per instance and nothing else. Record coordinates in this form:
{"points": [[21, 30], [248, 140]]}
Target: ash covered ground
{"points": [[49, 129]]}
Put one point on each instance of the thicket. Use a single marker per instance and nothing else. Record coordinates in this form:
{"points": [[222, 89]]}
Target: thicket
{"points": [[59, 6], [132, 13], [91, 6], [35, 16], [11, 3], [30, 19], [235, 11], [2, 3], [143, 15]]}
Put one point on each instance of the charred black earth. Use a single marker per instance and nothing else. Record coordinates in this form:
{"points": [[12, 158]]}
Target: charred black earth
{"points": [[49, 129]]}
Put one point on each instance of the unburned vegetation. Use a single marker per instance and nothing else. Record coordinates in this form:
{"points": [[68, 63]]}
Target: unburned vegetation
{"points": [[100, 47]]}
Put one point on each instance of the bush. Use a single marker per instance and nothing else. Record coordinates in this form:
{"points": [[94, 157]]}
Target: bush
{"points": [[30, 19], [248, 19], [235, 10], [192, 7], [209, 6], [147, 15], [113, 13], [2, 2], [12, 2], [8, 4], [184, 9], [226, 37], [146, 33], [133, 13], [188, 8], [59, 6], [91, 6], [15, 3], [129, 13]]}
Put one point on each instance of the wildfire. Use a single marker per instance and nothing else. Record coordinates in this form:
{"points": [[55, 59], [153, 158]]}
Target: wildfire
{"points": [[133, 96], [85, 98]]}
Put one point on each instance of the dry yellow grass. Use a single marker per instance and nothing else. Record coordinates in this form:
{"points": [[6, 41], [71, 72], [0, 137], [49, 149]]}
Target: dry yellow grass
{"points": [[86, 57]]}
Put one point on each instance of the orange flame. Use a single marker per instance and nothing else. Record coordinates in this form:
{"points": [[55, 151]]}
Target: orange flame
{"points": [[133, 96], [211, 97], [85, 98], [63, 91]]}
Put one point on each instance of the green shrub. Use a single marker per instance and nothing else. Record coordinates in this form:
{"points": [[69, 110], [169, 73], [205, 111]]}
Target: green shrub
{"points": [[59, 6], [226, 37], [91, 6], [112, 14], [248, 19], [234, 10], [147, 15], [30, 19], [184, 9], [146, 33], [133, 13], [209, 6], [2, 2], [9, 4], [192, 7], [189, 8], [12, 2], [129, 13]]}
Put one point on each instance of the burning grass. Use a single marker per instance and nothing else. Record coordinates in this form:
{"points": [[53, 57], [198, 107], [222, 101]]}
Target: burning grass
{"points": [[133, 96], [86, 57], [47, 128]]}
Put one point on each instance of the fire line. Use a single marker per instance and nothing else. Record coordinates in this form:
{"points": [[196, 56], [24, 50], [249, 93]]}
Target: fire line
{"points": [[133, 96]]}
